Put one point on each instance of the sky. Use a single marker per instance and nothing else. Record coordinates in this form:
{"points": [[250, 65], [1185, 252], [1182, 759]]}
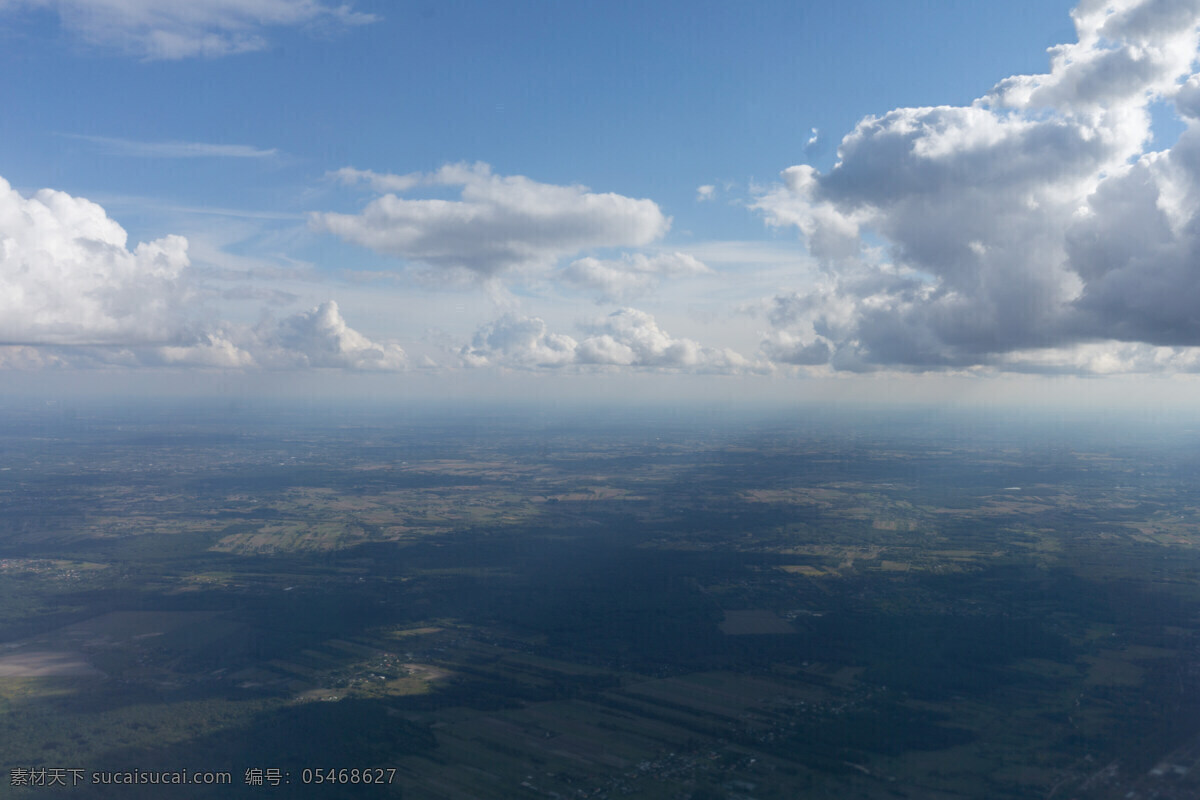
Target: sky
{"points": [[843, 201]]}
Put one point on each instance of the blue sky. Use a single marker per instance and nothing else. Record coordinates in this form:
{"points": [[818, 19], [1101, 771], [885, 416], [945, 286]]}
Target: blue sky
{"points": [[649, 100], [474, 194]]}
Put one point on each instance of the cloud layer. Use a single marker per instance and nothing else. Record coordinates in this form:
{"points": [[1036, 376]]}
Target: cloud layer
{"points": [[1023, 231], [621, 280], [498, 223], [73, 293], [153, 29], [625, 338]]}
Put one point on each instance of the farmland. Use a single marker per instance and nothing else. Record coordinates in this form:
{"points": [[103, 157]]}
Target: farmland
{"points": [[661, 608]]}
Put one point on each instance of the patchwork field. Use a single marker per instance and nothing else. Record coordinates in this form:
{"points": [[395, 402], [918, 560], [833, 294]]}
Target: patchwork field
{"points": [[680, 611]]}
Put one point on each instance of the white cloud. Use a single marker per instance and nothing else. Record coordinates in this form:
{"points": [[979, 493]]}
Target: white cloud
{"points": [[625, 338], [1036, 219], [832, 235], [380, 182], [629, 337], [320, 337], [1126, 50], [153, 29], [762, 254], [1103, 359], [315, 339], [498, 224], [22, 357], [128, 147], [784, 347], [632, 275], [519, 341], [72, 293], [1187, 98], [706, 192], [67, 277], [211, 350], [815, 144]]}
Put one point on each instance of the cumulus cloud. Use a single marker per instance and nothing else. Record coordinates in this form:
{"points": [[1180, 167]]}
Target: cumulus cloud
{"points": [[153, 29], [629, 337], [1036, 219], [320, 337], [315, 339], [73, 293], [499, 223], [784, 347], [705, 192], [519, 341], [625, 338], [67, 276], [630, 276], [215, 349]]}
